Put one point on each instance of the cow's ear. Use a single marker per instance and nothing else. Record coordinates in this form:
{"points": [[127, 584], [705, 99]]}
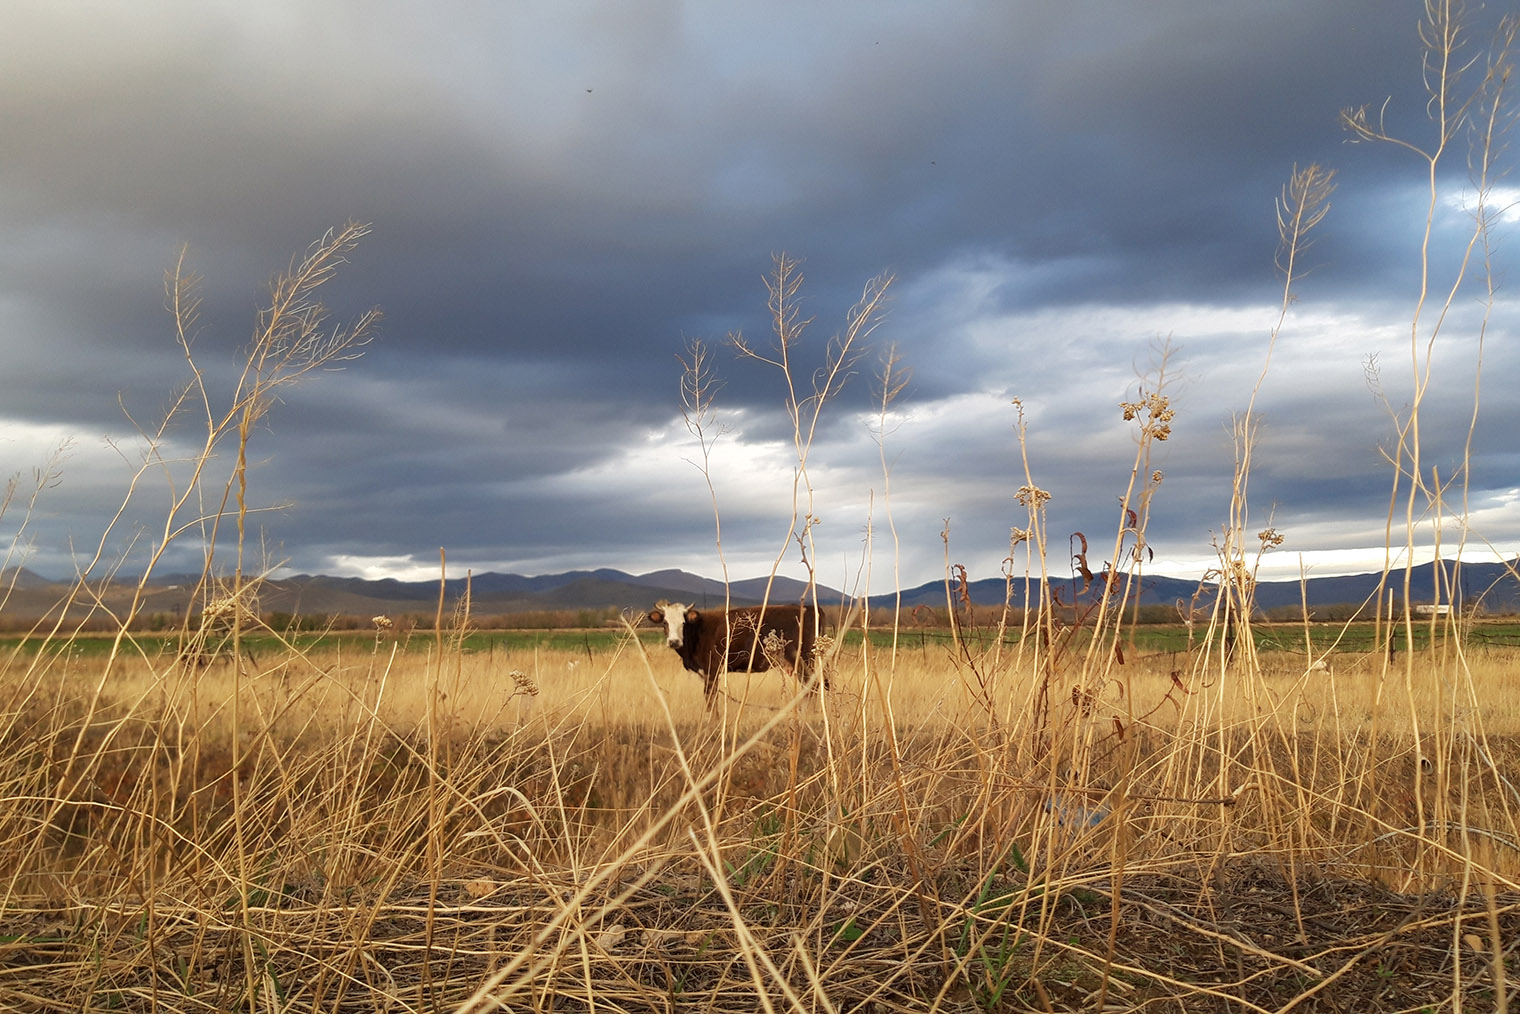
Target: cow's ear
{"points": [[692, 616], [655, 616]]}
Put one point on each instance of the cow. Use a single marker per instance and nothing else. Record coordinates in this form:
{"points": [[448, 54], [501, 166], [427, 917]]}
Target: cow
{"points": [[711, 642]]}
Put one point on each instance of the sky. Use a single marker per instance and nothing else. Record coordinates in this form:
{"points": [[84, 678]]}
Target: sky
{"points": [[565, 196]]}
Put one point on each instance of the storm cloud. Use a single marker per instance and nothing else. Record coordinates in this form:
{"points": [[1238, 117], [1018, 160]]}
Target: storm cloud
{"points": [[565, 195]]}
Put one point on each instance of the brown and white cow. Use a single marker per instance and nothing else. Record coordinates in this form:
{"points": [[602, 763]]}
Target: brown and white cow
{"points": [[711, 642]]}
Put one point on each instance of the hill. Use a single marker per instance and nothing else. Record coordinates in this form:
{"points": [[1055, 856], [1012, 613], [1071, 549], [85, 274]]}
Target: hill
{"points": [[491, 594], [1492, 584], [513, 593], [31, 597]]}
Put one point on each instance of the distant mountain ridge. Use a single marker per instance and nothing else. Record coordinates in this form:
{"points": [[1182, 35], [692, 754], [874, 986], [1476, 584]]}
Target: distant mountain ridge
{"points": [[491, 594], [1493, 584], [494, 593]]}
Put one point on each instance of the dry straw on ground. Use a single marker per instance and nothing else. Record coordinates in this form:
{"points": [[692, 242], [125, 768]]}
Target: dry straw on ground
{"points": [[423, 833]]}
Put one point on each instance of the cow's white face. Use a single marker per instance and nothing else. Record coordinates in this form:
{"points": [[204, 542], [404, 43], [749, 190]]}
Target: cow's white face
{"points": [[673, 616]]}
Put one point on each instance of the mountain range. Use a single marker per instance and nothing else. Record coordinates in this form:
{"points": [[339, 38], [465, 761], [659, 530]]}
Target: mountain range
{"points": [[1493, 585], [491, 594]]}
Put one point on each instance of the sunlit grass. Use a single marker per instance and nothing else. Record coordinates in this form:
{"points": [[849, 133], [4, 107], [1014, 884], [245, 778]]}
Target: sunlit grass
{"points": [[357, 786]]}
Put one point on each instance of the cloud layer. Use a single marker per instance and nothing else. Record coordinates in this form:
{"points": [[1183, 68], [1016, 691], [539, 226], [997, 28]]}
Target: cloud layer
{"points": [[566, 194]]}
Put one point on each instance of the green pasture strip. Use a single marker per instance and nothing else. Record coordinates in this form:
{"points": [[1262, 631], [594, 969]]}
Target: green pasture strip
{"points": [[1148, 638], [1362, 637], [1144, 638], [587, 641], [1157, 638], [417, 641]]}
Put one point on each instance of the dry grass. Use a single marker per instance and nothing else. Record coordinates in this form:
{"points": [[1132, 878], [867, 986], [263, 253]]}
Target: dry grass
{"points": [[415, 831]]}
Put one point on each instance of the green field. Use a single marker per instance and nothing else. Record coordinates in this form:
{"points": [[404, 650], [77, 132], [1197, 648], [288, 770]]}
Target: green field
{"points": [[1351, 638]]}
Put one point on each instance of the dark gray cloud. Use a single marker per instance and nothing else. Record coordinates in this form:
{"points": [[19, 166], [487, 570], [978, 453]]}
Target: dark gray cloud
{"points": [[565, 195]]}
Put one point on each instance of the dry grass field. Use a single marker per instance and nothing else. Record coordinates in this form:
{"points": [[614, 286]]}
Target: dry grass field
{"points": [[434, 830]]}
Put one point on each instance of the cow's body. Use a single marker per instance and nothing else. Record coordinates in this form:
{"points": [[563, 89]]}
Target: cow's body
{"points": [[710, 643]]}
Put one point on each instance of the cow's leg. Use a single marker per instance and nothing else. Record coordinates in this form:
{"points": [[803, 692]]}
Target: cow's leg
{"points": [[803, 669]]}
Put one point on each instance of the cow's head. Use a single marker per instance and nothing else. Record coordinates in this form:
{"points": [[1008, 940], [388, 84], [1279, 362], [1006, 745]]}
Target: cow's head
{"points": [[673, 616]]}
